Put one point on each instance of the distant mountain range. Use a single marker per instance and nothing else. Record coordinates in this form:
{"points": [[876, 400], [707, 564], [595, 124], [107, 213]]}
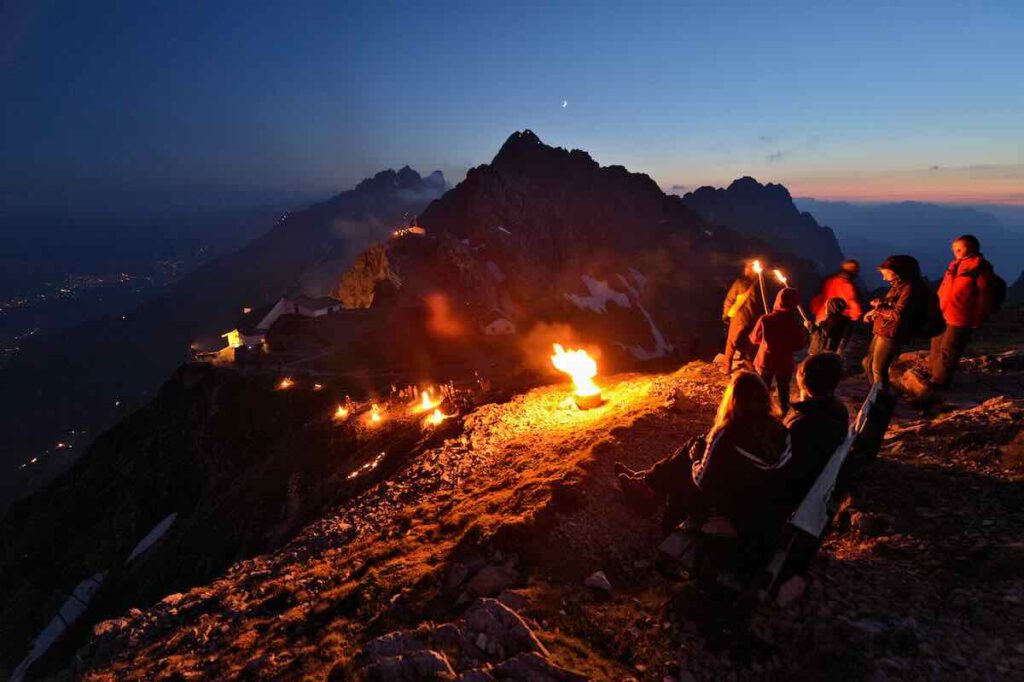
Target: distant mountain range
{"points": [[93, 374], [871, 232], [768, 212]]}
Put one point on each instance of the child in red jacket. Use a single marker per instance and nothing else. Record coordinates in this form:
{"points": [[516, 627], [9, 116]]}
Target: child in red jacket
{"points": [[778, 336]]}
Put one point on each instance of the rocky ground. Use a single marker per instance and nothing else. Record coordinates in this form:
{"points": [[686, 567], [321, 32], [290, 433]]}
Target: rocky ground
{"points": [[508, 553]]}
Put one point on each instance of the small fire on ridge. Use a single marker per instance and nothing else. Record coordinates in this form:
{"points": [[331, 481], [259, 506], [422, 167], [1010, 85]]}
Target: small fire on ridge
{"points": [[582, 368]]}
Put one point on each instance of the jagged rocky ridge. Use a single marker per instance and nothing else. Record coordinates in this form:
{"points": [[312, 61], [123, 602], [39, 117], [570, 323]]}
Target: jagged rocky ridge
{"points": [[543, 235], [768, 212]]}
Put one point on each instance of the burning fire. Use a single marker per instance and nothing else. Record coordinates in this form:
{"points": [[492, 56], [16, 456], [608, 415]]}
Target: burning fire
{"points": [[375, 415], [782, 278], [757, 267], [427, 402], [435, 418], [580, 366], [341, 414], [285, 384]]}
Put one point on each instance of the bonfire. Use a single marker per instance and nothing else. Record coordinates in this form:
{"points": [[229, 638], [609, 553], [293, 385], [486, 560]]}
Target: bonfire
{"points": [[582, 368]]}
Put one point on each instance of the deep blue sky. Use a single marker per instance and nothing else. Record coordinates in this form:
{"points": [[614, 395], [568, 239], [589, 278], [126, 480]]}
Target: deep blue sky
{"points": [[837, 100]]}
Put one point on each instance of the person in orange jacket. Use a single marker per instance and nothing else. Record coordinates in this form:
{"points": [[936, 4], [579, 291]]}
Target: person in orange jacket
{"points": [[778, 336], [966, 300], [840, 285]]}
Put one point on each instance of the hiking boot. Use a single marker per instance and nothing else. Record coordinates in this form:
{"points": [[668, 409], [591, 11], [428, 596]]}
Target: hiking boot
{"points": [[638, 494]]}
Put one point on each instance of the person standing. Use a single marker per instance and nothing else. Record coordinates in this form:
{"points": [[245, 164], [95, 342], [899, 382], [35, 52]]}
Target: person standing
{"points": [[831, 333], [966, 297], [778, 336], [740, 311], [842, 284], [892, 317]]}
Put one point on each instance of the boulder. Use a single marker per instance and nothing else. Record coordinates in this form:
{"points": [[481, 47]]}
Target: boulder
{"points": [[599, 581], [491, 580]]}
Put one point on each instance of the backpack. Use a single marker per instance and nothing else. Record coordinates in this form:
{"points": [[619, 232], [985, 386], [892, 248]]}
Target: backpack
{"points": [[997, 283], [928, 322]]}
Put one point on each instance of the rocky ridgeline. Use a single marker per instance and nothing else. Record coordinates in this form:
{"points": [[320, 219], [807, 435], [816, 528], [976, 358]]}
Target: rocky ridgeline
{"points": [[507, 553], [542, 234]]}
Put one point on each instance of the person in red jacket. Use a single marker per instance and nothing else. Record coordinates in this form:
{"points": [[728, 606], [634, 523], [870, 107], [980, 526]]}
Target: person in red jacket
{"points": [[965, 297], [842, 285], [778, 335]]}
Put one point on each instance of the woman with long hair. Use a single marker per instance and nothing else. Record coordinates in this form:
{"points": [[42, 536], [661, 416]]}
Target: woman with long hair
{"points": [[729, 471]]}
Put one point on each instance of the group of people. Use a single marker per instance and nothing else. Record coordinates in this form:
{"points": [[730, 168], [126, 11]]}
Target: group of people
{"points": [[758, 462], [969, 292]]}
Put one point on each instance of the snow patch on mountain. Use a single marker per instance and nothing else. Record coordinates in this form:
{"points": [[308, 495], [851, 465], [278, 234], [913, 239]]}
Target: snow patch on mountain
{"points": [[600, 294], [661, 346]]}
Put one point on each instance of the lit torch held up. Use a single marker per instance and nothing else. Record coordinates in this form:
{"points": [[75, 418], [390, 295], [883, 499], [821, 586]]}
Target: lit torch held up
{"points": [[582, 368], [760, 280], [785, 282]]}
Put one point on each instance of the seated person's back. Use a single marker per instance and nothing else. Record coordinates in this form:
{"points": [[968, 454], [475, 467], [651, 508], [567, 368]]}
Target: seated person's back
{"points": [[817, 425]]}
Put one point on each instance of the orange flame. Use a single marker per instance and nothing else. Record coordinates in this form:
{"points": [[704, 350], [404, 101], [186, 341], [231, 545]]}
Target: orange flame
{"points": [[341, 414], [580, 366], [782, 278], [757, 267], [427, 402], [375, 415], [435, 418], [285, 384]]}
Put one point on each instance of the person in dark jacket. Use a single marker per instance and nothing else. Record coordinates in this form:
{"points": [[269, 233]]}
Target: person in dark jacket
{"points": [[730, 471], [833, 331], [893, 316], [778, 336], [740, 311], [817, 425], [966, 300]]}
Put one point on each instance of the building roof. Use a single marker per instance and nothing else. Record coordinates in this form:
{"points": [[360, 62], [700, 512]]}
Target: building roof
{"points": [[315, 303]]}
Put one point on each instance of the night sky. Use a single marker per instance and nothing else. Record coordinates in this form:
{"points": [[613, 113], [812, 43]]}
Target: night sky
{"points": [[836, 100]]}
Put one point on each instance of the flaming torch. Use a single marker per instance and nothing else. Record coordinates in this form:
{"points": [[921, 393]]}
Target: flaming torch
{"points": [[785, 282], [341, 414], [582, 368], [285, 384], [760, 279]]}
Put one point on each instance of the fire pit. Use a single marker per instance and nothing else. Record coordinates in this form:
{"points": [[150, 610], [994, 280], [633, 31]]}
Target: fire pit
{"points": [[582, 368]]}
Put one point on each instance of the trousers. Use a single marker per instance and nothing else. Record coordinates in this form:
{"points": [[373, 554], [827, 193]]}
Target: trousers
{"points": [[946, 351], [782, 382], [881, 354]]}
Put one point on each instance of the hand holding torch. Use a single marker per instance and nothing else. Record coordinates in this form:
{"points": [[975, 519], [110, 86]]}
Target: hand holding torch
{"points": [[785, 282]]}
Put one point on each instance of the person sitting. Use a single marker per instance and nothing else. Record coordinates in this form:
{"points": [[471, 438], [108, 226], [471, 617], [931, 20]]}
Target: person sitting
{"points": [[778, 336], [817, 425], [833, 331], [728, 471]]}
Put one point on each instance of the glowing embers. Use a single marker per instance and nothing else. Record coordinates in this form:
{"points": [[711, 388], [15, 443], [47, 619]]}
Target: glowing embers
{"points": [[376, 415], [367, 467], [582, 368], [435, 418], [285, 384]]}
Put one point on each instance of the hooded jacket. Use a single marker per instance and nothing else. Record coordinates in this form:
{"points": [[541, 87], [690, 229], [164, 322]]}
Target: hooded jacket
{"points": [[839, 285], [904, 304], [738, 474], [816, 428], [779, 335], [834, 329], [965, 295]]}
